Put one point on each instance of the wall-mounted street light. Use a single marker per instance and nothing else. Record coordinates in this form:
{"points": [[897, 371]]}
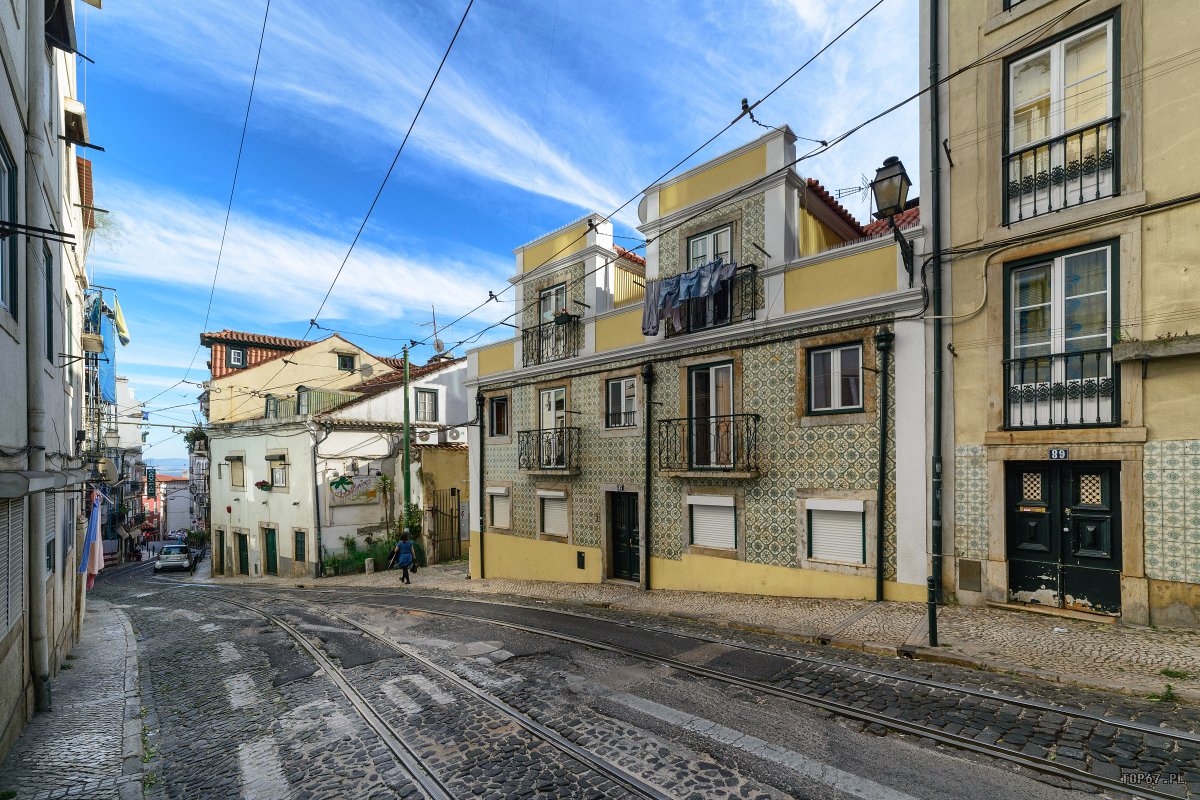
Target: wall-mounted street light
{"points": [[890, 189], [112, 439]]}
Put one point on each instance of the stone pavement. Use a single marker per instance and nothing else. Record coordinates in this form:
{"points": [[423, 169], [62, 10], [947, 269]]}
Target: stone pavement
{"points": [[1124, 658], [89, 746]]}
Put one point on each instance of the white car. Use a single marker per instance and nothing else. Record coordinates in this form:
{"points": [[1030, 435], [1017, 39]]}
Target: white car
{"points": [[174, 556]]}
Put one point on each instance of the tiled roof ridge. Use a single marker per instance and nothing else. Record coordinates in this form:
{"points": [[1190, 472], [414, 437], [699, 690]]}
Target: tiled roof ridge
{"points": [[414, 371], [907, 218], [255, 338], [629, 255], [823, 193]]}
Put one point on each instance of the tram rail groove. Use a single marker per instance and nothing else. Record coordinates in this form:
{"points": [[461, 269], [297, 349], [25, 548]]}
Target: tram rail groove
{"points": [[1034, 705], [1034, 763], [423, 775]]}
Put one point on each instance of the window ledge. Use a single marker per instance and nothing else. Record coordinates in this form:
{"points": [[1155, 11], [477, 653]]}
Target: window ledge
{"points": [[550, 537], [618, 433], [1059, 436], [1069, 216], [1157, 348], [564, 472], [852, 418], [712, 552], [1010, 15], [711, 473]]}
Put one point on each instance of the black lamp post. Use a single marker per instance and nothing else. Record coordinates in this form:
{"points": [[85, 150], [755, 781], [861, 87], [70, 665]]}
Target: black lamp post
{"points": [[890, 188]]}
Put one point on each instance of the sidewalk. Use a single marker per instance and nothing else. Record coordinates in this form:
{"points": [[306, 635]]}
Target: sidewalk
{"points": [[90, 745], [1125, 658]]}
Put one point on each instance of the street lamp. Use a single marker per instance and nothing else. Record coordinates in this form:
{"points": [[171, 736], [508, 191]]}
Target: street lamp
{"points": [[112, 439], [890, 188]]}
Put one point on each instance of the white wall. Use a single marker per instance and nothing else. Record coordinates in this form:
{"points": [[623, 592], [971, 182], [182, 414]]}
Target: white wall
{"points": [[177, 514], [450, 384]]}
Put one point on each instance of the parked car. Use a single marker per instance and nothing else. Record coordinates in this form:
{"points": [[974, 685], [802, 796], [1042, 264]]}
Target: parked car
{"points": [[174, 556]]}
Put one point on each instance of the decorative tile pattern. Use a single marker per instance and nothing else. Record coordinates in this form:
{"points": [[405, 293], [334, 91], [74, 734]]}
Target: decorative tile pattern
{"points": [[572, 275], [1171, 510], [971, 501], [751, 228], [841, 457]]}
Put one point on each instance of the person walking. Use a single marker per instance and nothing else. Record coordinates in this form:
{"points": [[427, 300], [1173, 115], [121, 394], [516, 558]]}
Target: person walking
{"points": [[404, 557]]}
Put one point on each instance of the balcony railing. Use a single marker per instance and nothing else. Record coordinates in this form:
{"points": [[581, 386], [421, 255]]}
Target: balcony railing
{"points": [[1065, 390], [727, 443], [736, 300], [1066, 171], [548, 448], [551, 341], [319, 401], [620, 419]]}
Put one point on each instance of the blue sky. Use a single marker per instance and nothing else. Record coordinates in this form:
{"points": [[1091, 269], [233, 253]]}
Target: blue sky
{"points": [[546, 110]]}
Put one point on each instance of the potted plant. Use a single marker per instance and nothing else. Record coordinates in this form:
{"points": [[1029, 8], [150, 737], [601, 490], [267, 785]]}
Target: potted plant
{"points": [[563, 317], [264, 485]]}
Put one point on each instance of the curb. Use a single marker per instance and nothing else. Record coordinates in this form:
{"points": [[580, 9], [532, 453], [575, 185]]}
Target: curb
{"points": [[129, 785]]}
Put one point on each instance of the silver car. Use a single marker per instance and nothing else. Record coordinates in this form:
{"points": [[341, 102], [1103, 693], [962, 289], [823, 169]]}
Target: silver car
{"points": [[174, 556]]}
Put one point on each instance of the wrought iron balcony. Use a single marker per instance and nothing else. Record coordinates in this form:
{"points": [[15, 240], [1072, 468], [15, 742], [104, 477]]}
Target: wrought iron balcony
{"points": [[548, 449], [551, 341], [726, 443], [1059, 391], [736, 300], [1063, 172], [317, 401], [620, 419]]}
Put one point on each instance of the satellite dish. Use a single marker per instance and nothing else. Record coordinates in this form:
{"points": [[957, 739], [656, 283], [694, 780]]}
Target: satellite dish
{"points": [[439, 345], [368, 370]]}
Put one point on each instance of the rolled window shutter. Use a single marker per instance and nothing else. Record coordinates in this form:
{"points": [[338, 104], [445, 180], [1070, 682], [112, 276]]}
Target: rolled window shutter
{"points": [[501, 511], [12, 540], [836, 535], [554, 516], [5, 533], [714, 526]]}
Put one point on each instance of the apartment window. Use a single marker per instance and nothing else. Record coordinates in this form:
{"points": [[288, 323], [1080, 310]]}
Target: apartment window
{"points": [[12, 569], [346, 362], [302, 401], [551, 301], [555, 520], [48, 267], [1060, 318], [621, 403], [837, 531], [299, 537], [1062, 124], [237, 473], [271, 406], [712, 520], [235, 357], [499, 507], [709, 246], [835, 379], [69, 339], [279, 475], [50, 530], [498, 416], [711, 418], [8, 245], [427, 405]]}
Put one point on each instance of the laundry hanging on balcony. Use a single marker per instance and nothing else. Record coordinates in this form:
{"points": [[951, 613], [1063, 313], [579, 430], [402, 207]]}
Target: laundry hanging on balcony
{"points": [[650, 313], [666, 298]]}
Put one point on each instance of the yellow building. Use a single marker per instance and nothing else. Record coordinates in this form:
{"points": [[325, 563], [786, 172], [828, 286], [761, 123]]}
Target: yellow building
{"points": [[733, 447], [1070, 238]]}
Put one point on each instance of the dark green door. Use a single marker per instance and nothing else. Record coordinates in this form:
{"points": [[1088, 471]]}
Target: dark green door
{"points": [[626, 548], [272, 551], [1064, 535], [218, 556], [243, 545]]}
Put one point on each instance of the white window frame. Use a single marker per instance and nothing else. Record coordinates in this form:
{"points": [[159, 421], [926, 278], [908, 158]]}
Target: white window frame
{"points": [[703, 247], [492, 493], [712, 501], [427, 405], [237, 477], [856, 509], [627, 396], [837, 404], [279, 475], [555, 294], [237, 357]]}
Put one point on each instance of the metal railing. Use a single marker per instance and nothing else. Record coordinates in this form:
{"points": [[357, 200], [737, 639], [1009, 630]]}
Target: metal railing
{"points": [[1066, 171], [551, 341], [735, 300], [548, 448], [319, 401], [728, 443], [1064, 390], [620, 419]]}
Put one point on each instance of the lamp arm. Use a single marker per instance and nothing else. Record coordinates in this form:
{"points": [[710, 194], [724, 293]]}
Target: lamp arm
{"points": [[906, 250]]}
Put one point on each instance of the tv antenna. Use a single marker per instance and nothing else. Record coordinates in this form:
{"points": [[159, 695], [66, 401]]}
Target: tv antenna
{"points": [[438, 345]]}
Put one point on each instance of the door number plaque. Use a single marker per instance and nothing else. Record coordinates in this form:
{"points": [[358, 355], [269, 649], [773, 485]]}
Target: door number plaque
{"points": [[1058, 453]]}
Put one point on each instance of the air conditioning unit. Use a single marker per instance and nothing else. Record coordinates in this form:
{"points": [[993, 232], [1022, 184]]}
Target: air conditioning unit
{"points": [[454, 434], [426, 437]]}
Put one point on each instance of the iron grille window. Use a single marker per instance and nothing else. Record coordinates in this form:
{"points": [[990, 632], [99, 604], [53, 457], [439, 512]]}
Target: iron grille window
{"points": [[1060, 317], [621, 403], [1062, 125], [551, 341], [548, 449]]}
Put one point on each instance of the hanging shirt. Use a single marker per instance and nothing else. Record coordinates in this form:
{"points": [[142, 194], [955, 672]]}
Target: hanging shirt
{"points": [[708, 278], [650, 312]]}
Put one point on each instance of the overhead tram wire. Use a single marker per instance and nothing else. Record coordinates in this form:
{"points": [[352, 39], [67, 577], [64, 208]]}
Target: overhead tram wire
{"points": [[818, 151], [312, 322], [746, 111], [237, 165]]}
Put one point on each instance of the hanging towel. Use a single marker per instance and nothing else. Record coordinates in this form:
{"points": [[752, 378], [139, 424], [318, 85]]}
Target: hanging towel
{"points": [[650, 314]]}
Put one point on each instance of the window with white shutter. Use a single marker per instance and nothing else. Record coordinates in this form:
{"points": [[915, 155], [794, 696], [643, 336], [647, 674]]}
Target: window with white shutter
{"points": [[836, 531], [713, 521], [554, 513], [499, 507], [12, 559], [50, 530]]}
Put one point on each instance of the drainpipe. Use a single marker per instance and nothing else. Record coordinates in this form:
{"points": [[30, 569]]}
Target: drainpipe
{"points": [[883, 345], [482, 491], [36, 156], [936, 296], [647, 387]]}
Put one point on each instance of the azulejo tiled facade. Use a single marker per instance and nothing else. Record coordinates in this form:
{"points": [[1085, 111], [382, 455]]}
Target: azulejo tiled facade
{"points": [[970, 502], [1171, 475]]}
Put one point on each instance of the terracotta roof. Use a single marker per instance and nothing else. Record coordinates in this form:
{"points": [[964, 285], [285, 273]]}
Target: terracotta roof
{"points": [[242, 337], [629, 255], [820, 191], [905, 219], [168, 478], [390, 380], [87, 196]]}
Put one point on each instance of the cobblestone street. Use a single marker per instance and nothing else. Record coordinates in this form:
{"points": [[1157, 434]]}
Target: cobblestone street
{"points": [[345, 692]]}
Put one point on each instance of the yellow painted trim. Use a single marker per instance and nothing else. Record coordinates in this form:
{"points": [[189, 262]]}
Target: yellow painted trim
{"points": [[707, 574], [713, 181], [864, 274], [572, 240], [497, 358], [619, 330], [518, 558]]}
